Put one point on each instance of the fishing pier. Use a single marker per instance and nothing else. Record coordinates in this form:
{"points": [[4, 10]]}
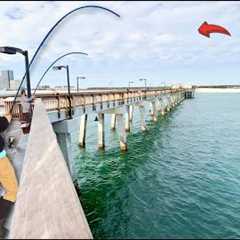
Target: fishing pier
{"points": [[47, 203]]}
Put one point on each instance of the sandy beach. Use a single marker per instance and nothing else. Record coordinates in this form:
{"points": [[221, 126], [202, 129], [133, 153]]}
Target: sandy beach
{"points": [[218, 90]]}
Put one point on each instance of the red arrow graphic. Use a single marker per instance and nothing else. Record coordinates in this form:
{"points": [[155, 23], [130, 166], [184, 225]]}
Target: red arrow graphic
{"points": [[205, 29]]}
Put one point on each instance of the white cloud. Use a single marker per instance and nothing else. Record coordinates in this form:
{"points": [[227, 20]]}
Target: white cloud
{"points": [[148, 32]]}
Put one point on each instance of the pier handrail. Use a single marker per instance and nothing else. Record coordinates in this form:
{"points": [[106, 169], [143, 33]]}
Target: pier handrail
{"points": [[59, 100], [47, 203]]}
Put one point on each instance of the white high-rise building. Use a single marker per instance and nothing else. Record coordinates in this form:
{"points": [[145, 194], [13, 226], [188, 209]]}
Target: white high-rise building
{"points": [[5, 78], [7, 81]]}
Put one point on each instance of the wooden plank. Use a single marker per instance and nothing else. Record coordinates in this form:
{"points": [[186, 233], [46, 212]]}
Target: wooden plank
{"points": [[47, 204]]}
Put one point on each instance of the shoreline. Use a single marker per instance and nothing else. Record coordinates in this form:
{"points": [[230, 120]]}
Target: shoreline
{"points": [[217, 90]]}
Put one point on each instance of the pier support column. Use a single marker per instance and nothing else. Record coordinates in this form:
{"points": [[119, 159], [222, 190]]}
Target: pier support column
{"points": [[101, 133], [113, 122], [142, 117], [83, 128], [127, 119], [163, 111], [64, 131], [162, 108], [169, 104], [130, 113], [153, 111], [172, 101], [122, 132], [158, 105]]}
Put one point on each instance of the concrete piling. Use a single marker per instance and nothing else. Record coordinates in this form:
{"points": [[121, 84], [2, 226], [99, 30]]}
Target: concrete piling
{"points": [[64, 131], [127, 119], [142, 117], [153, 110], [83, 128], [130, 113], [101, 133], [122, 132], [113, 122]]}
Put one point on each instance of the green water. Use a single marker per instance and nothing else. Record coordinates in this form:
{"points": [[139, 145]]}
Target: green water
{"points": [[180, 179]]}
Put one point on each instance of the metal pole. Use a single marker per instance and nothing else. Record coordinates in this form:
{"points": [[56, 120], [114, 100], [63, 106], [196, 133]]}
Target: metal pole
{"points": [[27, 74], [69, 93], [145, 83], [77, 84]]}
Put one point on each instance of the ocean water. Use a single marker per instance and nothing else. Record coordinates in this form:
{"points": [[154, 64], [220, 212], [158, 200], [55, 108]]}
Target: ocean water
{"points": [[179, 179]]}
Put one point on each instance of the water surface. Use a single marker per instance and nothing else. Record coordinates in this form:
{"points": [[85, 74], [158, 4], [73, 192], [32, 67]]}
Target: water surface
{"points": [[180, 179]]}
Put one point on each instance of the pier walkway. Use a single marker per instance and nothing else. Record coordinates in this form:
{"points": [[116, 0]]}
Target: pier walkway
{"points": [[47, 203]]}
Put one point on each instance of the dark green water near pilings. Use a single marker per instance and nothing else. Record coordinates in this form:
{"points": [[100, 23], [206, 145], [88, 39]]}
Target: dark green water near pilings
{"points": [[180, 179]]}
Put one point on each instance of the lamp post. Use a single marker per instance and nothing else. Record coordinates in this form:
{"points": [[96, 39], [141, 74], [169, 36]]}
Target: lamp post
{"points": [[79, 77], [60, 67], [53, 63], [47, 36], [145, 82], [13, 50], [130, 83], [145, 85]]}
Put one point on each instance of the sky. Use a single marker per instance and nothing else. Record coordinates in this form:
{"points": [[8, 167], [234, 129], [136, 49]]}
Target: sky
{"points": [[157, 40]]}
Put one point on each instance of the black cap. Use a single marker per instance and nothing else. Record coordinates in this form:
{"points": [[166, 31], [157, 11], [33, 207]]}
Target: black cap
{"points": [[3, 124], [1, 144]]}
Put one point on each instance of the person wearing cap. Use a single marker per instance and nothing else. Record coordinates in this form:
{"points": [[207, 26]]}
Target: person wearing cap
{"points": [[8, 179], [25, 112]]}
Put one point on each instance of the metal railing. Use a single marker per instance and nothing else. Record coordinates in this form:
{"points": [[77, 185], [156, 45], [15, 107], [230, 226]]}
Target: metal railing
{"points": [[59, 101]]}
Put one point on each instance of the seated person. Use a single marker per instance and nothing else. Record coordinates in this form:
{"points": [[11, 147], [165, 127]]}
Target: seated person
{"points": [[25, 112], [8, 181]]}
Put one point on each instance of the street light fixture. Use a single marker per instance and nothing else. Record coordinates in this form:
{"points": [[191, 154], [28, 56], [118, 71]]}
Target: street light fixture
{"points": [[53, 63], [12, 51], [79, 77], [145, 84], [60, 67], [130, 83], [46, 38]]}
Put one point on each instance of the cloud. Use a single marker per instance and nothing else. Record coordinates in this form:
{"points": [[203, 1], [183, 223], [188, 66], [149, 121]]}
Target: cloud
{"points": [[149, 34]]}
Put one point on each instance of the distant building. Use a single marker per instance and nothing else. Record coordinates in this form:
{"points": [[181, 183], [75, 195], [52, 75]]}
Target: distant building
{"points": [[5, 78], [63, 88], [7, 81], [44, 87], [14, 84]]}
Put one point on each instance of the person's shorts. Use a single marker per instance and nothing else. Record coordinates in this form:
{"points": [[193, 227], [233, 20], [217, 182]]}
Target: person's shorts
{"points": [[5, 207]]}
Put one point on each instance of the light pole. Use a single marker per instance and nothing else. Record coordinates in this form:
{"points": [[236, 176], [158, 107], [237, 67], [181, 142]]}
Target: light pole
{"points": [[60, 67], [130, 83], [13, 50], [47, 36], [145, 85], [79, 77], [145, 82], [53, 63]]}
